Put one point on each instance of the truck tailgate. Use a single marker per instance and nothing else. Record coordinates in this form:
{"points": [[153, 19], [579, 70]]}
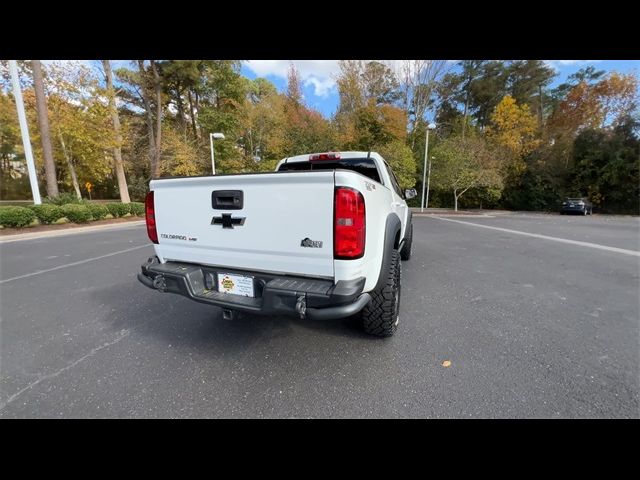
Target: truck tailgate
{"points": [[279, 211]]}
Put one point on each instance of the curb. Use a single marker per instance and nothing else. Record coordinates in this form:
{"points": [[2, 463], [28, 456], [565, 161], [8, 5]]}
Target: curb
{"points": [[67, 231]]}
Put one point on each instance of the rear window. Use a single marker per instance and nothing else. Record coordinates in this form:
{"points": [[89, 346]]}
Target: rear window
{"points": [[363, 166]]}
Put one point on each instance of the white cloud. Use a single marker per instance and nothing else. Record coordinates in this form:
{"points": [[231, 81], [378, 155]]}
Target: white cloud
{"points": [[556, 64], [573, 62], [322, 88], [71, 62], [318, 73], [307, 68]]}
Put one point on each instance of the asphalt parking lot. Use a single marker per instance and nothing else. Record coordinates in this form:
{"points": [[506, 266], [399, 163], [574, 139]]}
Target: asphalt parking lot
{"points": [[538, 315]]}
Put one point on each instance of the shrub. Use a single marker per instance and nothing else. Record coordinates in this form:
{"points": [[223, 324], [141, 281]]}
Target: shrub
{"points": [[16, 216], [137, 208], [98, 212], [47, 213], [64, 198], [118, 209], [76, 213]]}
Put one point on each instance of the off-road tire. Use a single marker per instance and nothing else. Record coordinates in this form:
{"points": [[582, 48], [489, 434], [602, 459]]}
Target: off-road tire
{"points": [[405, 253], [380, 316]]}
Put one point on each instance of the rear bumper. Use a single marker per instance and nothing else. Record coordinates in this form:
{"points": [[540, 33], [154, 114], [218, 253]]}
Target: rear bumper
{"points": [[317, 299], [577, 209]]}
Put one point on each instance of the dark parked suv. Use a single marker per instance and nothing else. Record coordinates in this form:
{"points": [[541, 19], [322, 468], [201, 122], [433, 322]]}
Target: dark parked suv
{"points": [[580, 206]]}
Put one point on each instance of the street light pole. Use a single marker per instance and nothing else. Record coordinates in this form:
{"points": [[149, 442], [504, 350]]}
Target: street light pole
{"points": [[24, 129], [213, 163], [426, 204], [431, 126], [211, 137]]}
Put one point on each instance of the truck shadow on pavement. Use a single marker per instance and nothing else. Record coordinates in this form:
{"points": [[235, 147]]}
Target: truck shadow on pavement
{"points": [[179, 321]]}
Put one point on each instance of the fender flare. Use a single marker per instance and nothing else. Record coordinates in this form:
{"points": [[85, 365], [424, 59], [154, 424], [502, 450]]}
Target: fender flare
{"points": [[392, 227], [408, 229]]}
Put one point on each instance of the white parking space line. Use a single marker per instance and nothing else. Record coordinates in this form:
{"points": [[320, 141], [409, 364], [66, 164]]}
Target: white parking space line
{"points": [[623, 251], [73, 264]]}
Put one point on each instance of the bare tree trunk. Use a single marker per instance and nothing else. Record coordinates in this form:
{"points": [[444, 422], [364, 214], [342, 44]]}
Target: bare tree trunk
{"points": [[149, 115], [157, 85], [117, 150], [464, 118], [455, 200], [72, 170], [45, 135], [540, 119], [193, 116], [196, 113]]}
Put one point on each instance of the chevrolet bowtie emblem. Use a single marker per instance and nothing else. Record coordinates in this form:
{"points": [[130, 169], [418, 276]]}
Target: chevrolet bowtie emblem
{"points": [[226, 221]]}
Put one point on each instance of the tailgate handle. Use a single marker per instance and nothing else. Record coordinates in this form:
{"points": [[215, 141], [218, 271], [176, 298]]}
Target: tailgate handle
{"points": [[227, 199]]}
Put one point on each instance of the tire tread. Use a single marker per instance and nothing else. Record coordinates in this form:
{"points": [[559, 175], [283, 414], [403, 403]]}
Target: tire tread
{"points": [[405, 253], [378, 317]]}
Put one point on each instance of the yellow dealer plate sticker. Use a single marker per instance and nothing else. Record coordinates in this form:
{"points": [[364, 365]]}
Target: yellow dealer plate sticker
{"points": [[235, 284]]}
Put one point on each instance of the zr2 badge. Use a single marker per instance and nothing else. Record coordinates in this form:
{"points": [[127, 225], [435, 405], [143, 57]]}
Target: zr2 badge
{"points": [[307, 242]]}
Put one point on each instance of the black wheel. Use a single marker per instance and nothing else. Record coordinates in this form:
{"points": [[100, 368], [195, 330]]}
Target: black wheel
{"points": [[381, 315], [405, 253]]}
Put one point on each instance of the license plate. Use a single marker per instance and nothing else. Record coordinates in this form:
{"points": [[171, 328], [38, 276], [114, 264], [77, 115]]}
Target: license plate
{"points": [[235, 284]]}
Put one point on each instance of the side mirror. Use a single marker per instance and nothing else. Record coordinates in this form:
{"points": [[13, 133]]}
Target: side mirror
{"points": [[410, 193]]}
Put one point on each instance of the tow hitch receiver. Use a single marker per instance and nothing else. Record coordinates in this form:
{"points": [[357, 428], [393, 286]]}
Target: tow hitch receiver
{"points": [[228, 314]]}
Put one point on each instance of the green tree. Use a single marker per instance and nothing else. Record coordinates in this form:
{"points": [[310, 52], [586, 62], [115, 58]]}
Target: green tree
{"points": [[590, 105], [11, 155], [350, 87], [117, 135], [263, 122], [462, 164], [607, 166], [43, 127], [182, 79], [380, 84], [144, 90], [399, 156], [79, 124], [527, 81], [219, 107]]}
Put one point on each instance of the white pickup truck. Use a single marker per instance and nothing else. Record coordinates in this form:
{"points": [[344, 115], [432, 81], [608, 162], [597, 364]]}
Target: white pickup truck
{"points": [[321, 237]]}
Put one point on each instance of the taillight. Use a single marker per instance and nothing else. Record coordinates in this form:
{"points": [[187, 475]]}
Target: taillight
{"points": [[325, 156], [349, 224], [150, 215]]}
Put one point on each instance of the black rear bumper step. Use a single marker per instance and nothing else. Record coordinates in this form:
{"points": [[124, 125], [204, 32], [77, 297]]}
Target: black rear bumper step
{"points": [[274, 294]]}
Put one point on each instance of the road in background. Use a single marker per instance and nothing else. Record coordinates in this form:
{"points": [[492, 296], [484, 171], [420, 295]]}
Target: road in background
{"points": [[532, 328]]}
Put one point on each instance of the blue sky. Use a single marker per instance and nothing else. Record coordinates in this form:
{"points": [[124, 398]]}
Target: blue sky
{"points": [[319, 85]]}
